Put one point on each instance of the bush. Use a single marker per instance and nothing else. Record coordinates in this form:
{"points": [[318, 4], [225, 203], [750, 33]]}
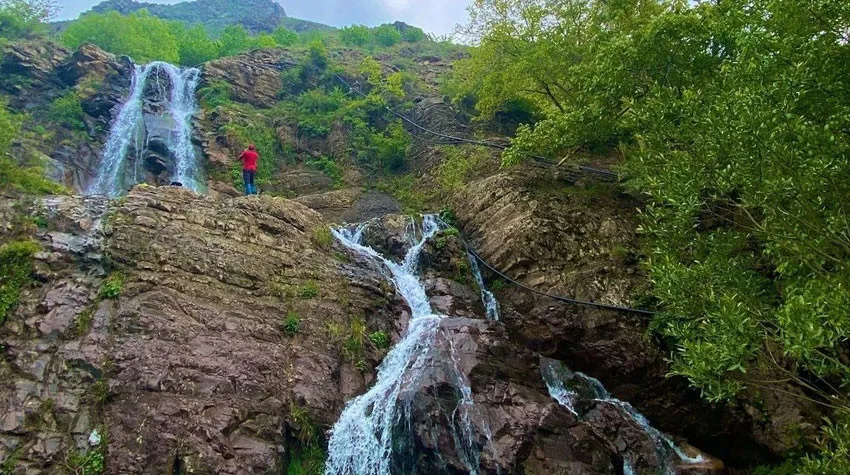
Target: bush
{"points": [[458, 165], [111, 287], [15, 273], [67, 110], [386, 35], [413, 35], [380, 340], [24, 18], [284, 36], [139, 35], [355, 35], [323, 237], [328, 167], [215, 94], [291, 324], [308, 291]]}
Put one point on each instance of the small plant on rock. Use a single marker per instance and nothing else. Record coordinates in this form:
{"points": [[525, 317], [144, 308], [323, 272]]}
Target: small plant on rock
{"points": [[380, 339], [323, 237], [291, 324], [308, 291], [111, 287]]}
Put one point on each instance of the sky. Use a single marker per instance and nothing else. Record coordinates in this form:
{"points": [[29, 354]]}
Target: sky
{"points": [[434, 16]]}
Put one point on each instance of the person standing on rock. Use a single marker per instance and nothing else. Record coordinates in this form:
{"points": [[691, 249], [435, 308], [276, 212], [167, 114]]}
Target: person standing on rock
{"points": [[249, 168]]}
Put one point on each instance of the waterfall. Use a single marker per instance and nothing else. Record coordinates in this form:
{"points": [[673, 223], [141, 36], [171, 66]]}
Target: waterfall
{"points": [[487, 297], [128, 128], [361, 441], [584, 386]]}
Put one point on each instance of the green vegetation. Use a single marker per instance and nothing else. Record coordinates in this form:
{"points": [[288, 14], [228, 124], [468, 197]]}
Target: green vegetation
{"points": [[15, 273], [291, 324], [90, 462], [84, 321], [323, 237], [307, 457], [11, 461], [215, 94], [24, 18], [380, 339], [110, 289], [67, 110], [459, 164], [732, 121], [355, 35], [354, 343], [20, 174], [308, 291], [386, 35], [145, 38]]}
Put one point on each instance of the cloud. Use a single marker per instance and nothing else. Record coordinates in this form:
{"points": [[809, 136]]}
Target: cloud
{"points": [[434, 16]]}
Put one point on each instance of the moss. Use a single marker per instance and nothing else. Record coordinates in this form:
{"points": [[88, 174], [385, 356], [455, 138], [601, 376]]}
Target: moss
{"points": [[15, 273], [380, 339]]}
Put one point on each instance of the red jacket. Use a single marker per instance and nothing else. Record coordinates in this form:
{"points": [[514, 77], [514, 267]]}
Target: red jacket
{"points": [[249, 160]]}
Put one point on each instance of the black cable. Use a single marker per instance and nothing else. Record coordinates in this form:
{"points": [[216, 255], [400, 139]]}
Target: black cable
{"points": [[560, 298]]}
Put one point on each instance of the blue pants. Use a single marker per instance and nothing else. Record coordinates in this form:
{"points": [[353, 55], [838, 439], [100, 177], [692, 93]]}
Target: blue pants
{"points": [[248, 178]]}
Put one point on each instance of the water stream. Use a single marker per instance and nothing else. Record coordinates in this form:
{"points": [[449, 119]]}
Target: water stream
{"points": [[566, 386], [361, 441], [128, 128]]}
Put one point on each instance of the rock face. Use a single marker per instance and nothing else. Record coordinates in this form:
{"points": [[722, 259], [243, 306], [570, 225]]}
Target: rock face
{"points": [[190, 366], [570, 235], [254, 77], [35, 74]]}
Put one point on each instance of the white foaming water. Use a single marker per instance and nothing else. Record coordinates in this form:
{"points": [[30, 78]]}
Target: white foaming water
{"points": [[128, 126], [552, 372], [361, 441], [487, 297]]}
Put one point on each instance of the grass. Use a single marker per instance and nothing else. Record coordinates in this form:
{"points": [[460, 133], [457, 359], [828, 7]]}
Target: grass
{"points": [[322, 237], [308, 291], [92, 462], [84, 321]]}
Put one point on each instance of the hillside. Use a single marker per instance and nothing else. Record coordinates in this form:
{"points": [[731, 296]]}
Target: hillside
{"points": [[257, 16], [608, 239]]}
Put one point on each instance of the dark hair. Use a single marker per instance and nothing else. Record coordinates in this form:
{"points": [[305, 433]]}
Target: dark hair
{"points": [[251, 147]]}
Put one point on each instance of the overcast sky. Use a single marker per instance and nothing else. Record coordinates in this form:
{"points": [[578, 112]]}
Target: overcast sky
{"points": [[434, 16]]}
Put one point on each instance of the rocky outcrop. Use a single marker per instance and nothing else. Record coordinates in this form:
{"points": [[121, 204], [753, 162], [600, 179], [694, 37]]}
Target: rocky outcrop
{"points": [[34, 74], [191, 365], [254, 78], [569, 234]]}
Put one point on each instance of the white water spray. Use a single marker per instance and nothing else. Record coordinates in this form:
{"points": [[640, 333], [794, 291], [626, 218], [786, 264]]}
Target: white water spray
{"points": [[361, 441], [128, 127], [487, 297], [553, 373]]}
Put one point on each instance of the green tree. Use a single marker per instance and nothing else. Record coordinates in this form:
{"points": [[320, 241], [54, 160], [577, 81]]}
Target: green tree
{"points": [[24, 18], [413, 35], [386, 35], [284, 36], [139, 35], [234, 40], [355, 35], [195, 47]]}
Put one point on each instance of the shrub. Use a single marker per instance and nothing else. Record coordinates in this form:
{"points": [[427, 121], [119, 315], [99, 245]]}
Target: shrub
{"points": [[291, 324], [386, 35], [284, 36], [15, 273], [380, 340], [355, 35], [328, 167], [215, 94], [67, 110], [458, 166], [111, 287], [413, 35], [308, 291], [323, 236]]}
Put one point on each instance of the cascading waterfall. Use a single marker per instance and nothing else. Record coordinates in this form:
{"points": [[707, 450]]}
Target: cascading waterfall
{"points": [[128, 127], [554, 374], [487, 297], [361, 441]]}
